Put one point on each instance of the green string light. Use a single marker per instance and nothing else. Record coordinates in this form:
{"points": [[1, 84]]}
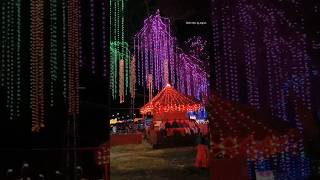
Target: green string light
{"points": [[18, 40], [118, 46], [64, 50], [53, 49], [10, 75]]}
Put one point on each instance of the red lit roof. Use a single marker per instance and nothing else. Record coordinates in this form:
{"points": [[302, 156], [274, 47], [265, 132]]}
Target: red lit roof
{"points": [[169, 99]]}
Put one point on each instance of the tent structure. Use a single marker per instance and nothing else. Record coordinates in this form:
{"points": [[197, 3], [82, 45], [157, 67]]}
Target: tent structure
{"points": [[169, 104], [240, 130]]}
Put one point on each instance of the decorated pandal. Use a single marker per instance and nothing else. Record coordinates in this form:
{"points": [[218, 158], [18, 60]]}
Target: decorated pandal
{"points": [[169, 110], [169, 103]]}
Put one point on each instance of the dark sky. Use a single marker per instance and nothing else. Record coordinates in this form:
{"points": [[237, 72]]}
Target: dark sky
{"points": [[178, 11]]}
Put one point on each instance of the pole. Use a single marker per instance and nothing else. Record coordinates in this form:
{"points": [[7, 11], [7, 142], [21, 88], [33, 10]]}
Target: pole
{"points": [[74, 118], [106, 171], [68, 156], [71, 159]]}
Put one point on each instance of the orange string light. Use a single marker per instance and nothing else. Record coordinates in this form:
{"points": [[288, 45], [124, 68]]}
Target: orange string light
{"points": [[37, 64], [133, 77], [73, 55], [121, 79]]}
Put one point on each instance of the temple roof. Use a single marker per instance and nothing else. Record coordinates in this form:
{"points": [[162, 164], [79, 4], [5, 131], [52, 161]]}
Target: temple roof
{"points": [[169, 99]]}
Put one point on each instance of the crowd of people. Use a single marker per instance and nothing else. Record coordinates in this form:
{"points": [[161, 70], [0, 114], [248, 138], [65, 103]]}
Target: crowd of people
{"points": [[28, 172], [185, 127], [127, 127]]}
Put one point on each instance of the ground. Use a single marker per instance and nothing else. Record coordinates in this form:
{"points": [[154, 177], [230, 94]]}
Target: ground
{"points": [[141, 162]]}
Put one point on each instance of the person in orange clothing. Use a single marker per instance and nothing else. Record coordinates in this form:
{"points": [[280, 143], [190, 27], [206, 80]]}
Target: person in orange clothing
{"points": [[202, 154]]}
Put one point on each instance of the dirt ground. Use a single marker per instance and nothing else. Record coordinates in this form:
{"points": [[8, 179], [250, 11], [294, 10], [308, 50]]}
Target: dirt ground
{"points": [[141, 162]]}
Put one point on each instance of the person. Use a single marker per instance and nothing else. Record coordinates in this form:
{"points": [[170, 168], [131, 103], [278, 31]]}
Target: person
{"points": [[175, 124], [114, 129], [202, 153], [167, 125]]}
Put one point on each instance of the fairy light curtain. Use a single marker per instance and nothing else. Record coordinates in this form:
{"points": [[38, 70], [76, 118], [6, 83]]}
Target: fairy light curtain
{"points": [[153, 45], [274, 61], [195, 75], [37, 64], [10, 60], [47, 67], [73, 55], [158, 54], [119, 48], [285, 57]]}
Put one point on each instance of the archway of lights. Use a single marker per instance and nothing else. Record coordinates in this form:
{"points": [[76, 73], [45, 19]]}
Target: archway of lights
{"points": [[157, 52], [119, 50]]}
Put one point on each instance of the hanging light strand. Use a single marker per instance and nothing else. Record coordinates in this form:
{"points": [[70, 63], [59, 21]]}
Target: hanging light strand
{"points": [[37, 64], [133, 78], [121, 79], [64, 51], [73, 55], [104, 37], [53, 49]]}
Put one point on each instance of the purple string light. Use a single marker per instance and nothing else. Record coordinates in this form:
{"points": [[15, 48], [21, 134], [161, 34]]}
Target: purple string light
{"points": [[155, 45]]}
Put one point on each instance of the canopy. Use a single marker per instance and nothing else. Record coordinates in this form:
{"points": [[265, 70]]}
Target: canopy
{"points": [[237, 129], [170, 100]]}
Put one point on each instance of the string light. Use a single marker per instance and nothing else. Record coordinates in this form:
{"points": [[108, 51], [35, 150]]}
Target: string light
{"points": [[37, 64], [121, 83], [170, 100], [18, 59], [166, 71], [104, 38], [10, 75], [53, 48], [92, 33], [158, 54], [150, 86], [73, 56], [279, 52], [119, 48], [64, 51], [133, 78]]}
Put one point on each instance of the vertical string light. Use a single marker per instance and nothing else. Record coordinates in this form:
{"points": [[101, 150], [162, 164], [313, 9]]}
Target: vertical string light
{"points": [[18, 59], [283, 59], [64, 51], [37, 64], [10, 70], [159, 55], [166, 71], [119, 48], [73, 56], [3, 44], [53, 49], [121, 81], [11, 47], [11, 50], [92, 40], [104, 37], [150, 85], [133, 78]]}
